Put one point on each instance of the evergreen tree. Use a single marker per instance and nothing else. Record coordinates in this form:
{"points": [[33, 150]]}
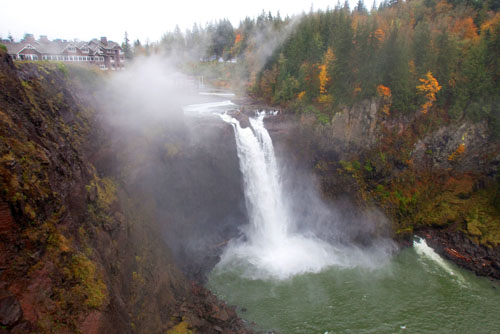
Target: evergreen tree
{"points": [[127, 50]]}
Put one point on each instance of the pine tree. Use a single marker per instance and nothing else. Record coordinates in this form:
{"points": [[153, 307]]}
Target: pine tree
{"points": [[126, 47]]}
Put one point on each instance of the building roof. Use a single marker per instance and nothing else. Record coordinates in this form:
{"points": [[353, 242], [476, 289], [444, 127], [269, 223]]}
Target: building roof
{"points": [[44, 46], [52, 47]]}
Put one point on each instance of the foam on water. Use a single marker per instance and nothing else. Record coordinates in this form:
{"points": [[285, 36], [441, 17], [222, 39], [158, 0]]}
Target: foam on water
{"points": [[422, 249]]}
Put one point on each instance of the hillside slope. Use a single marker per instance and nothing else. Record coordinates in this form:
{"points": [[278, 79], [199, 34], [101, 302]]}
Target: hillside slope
{"points": [[78, 252]]}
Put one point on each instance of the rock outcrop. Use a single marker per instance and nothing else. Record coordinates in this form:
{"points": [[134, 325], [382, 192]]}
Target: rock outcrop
{"points": [[82, 242], [438, 177]]}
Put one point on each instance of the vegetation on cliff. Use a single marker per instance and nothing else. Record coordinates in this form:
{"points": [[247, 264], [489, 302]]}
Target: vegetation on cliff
{"points": [[429, 55], [429, 153], [81, 250]]}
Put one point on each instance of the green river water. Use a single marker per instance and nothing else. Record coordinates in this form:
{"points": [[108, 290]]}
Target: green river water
{"points": [[414, 292]]}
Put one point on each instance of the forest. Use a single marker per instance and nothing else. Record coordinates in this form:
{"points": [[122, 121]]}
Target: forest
{"points": [[417, 56]]}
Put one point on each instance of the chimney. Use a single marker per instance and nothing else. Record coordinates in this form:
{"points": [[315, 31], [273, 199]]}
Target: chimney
{"points": [[104, 40], [43, 39], [29, 38]]}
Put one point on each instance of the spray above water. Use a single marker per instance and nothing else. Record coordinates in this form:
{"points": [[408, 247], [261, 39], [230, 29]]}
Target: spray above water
{"points": [[272, 248]]}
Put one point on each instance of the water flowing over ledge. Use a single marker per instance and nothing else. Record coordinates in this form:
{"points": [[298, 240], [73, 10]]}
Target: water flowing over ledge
{"points": [[273, 248]]}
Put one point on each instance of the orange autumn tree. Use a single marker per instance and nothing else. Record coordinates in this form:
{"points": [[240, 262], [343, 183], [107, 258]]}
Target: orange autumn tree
{"points": [[465, 28], [429, 87], [379, 35], [385, 93]]}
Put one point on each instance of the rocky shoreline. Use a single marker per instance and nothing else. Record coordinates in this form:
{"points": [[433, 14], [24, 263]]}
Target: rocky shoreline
{"points": [[456, 247]]}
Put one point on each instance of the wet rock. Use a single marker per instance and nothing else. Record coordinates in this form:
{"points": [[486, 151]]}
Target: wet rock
{"points": [[10, 311], [221, 315], [242, 118], [22, 328], [455, 246], [439, 149]]}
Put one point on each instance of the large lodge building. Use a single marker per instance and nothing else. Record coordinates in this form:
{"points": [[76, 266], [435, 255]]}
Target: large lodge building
{"points": [[103, 53]]}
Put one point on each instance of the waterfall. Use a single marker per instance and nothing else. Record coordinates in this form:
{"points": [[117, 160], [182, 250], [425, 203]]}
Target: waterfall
{"points": [[272, 248]]}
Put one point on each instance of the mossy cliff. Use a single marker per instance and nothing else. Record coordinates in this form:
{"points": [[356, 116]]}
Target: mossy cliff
{"points": [[433, 177], [78, 252]]}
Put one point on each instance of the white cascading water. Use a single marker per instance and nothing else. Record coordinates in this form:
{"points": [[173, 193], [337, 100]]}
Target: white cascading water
{"points": [[422, 249], [272, 249]]}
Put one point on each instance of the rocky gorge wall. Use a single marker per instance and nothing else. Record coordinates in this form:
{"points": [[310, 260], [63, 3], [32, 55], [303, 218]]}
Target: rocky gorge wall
{"points": [[435, 178], [86, 237]]}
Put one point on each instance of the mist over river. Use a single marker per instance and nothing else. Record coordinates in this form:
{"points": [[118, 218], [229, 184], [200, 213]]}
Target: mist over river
{"points": [[285, 278], [412, 293]]}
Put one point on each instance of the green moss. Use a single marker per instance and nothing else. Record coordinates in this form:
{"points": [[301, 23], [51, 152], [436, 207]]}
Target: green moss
{"points": [[181, 328], [90, 285], [106, 191], [350, 166], [62, 68], [138, 278]]}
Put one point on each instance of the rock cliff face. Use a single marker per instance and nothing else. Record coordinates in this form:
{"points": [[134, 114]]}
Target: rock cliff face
{"points": [[426, 174], [84, 243]]}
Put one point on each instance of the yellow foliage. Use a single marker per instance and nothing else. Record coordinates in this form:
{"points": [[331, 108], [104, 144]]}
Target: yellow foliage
{"points": [[411, 65], [386, 109], [28, 209], [489, 25], [325, 99], [457, 153], [429, 87], [385, 93], [301, 95], [324, 78], [329, 56], [59, 242], [465, 28], [379, 35], [181, 328]]}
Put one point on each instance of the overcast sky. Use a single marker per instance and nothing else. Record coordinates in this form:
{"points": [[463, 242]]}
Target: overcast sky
{"points": [[143, 19]]}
